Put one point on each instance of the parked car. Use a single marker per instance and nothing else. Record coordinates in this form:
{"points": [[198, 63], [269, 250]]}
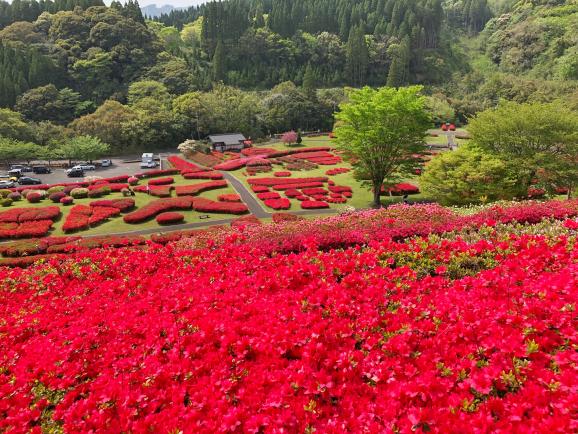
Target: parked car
{"points": [[75, 172], [85, 166], [148, 164], [27, 180], [6, 183], [41, 169], [15, 173], [106, 163], [21, 167]]}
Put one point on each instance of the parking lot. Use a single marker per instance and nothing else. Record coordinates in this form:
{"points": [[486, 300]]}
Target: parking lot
{"points": [[120, 166]]}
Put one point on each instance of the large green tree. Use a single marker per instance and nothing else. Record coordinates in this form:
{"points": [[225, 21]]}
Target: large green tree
{"points": [[84, 148], [383, 131], [538, 141]]}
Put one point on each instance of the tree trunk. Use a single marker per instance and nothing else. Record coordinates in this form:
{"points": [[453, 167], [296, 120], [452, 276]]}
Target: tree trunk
{"points": [[377, 194]]}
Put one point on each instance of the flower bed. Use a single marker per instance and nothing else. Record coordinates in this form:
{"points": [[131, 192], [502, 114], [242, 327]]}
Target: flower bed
{"points": [[339, 188], [203, 175], [229, 198], [169, 237], [281, 217], [194, 189], [292, 192], [161, 181], [337, 171], [283, 174], [156, 172], [269, 182], [205, 205], [169, 218], [297, 185], [252, 152], [313, 191], [181, 164], [82, 217], [249, 220], [30, 214], [25, 229], [259, 188], [123, 205], [160, 190], [314, 204], [151, 209], [34, 246], [278, 204], [270, 195], [401, 189]]}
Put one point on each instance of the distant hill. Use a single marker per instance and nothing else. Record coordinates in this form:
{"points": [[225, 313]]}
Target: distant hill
{"points": [[157, 11]]}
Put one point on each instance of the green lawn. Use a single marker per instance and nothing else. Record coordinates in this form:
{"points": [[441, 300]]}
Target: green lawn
{"points": [[439, 140]]}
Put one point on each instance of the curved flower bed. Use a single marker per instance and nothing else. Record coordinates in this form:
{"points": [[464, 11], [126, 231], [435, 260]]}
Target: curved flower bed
{"points": [[25, 229], [30, 214], [81, 217], [203, 175], [160, 190], [167, 218], [151, 209], [337, 171], [270, 195], [194, 189], [123, 205], [282, 174], [459, 336], [278, 204]]}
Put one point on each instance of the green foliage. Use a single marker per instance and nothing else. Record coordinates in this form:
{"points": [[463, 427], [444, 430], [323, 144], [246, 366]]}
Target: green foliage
{"points": [[536, 140], [12, 125], [84, 148], [383, 130], [467, 175]]}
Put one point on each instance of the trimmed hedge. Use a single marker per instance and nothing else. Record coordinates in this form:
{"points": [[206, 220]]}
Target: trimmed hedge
{"points": [[205, 205], [161, 181], [171, 217], [122, 204], [81, 217], [314, 204], [229, 198], [194, 189], [277, 204], [269, 182], [203, 175], [156, 207], [270, 195]]}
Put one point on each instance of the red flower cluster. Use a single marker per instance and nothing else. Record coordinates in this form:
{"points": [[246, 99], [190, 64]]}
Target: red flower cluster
{"points": [[277, 204], [194, 189], [248, 220], [269, 182], [337, 171], [383, 336], [400, 189], [123, 205], [252, 152], [81, 217], [160, 190], [282, 174], [167, 218], [321, 158], [25, 229], [203, 175], [281, 217], [30, 214], [182, 165], [270, 195], [229, 198], [314, 204], [206, 205], [259, 188], [151, 209], [161, 181]]}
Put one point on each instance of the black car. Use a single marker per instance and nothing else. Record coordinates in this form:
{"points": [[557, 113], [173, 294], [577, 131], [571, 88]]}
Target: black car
{"points": [[41, 169], [21, 167], [75, 173], [27, 180]]}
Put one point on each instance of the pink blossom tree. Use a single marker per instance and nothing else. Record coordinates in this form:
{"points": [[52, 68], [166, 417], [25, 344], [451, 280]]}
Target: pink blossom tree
{"points": [[289, 138]]}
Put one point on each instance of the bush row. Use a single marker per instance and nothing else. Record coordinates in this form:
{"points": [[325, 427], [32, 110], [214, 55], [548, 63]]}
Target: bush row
{"points": [[158, 206], [194, 189], [81, 217]]}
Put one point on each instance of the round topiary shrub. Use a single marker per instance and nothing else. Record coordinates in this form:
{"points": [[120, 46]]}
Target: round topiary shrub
{"points": [[4, 193], [167, 218], [25, 192], [132, 180], [56, 196], [125, 192], [66, 200], [79, 193], [55, 189], [34, 197], [15, 195], [6, 201]]}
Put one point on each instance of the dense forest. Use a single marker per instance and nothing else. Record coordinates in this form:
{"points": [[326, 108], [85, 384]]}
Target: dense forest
{"points": [[72, 67]]}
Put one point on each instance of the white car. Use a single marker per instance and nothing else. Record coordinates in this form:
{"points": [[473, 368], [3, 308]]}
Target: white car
{"points": [[148, 164], [84, 167], [6, 184], [106, 163]]}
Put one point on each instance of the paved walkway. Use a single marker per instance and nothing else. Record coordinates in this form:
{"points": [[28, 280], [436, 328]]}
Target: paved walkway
{"points": [[247, 196]]}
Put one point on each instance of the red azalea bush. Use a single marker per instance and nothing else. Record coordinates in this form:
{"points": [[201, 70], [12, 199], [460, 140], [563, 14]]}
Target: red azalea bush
{"points": [[133, 180], [156, 172], [339, 188], [252, 152], [337, 171], [281, 187], [160, 190], [30, 214], [67, 200], [151, 209], [259, 189], [280, 217], [269, 182], [203, 175], [460, 336], [55, 197], [123, 205], [229, 198], [277, 204], [25, 229], [167, 218], [312, 191], [34, 197], [231, 164], [533, 193], [182, 164], [301, 198], [347, 194], [270, 195], [335, 200], [314, 204], [194, 189], [401, 189], [292, 192], [205, 205], [161, 181], [81, 217]]}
